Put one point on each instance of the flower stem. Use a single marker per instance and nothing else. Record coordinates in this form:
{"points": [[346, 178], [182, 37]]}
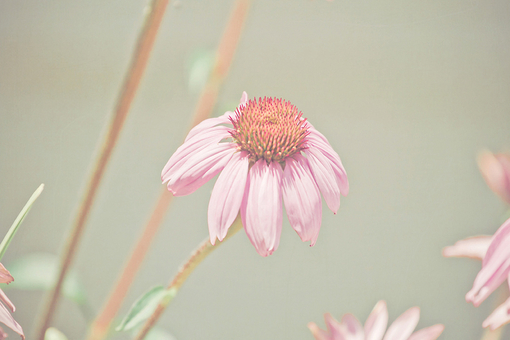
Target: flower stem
{"points": [[204, 249], [204, 108], [131, 82]]}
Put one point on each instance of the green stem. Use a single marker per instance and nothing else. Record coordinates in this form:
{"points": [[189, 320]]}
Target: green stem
{"points": [[204, 249]]}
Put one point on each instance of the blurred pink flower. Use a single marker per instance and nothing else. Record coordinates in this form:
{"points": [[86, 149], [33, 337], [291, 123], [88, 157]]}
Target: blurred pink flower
{"points": [[375, 327], [495, 170], [494, 251], [6, 317], [267, 152]]}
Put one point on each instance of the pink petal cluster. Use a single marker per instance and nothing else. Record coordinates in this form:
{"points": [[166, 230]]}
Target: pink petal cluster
{"points": [[495, 169], [494, 251], [265, 152], [5, 316], [375, 327]]}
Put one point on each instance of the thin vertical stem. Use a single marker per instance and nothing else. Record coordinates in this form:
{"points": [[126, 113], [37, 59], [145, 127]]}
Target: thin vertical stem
{"points": [[131, 82], [224, 55], [203, 250]]}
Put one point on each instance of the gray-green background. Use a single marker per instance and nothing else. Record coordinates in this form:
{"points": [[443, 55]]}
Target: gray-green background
{"points": [[407, 92]]}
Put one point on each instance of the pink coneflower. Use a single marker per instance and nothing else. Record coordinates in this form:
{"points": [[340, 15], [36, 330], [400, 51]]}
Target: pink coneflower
{"points": [[267, 152], [6, 317], [494, 251], [375, 327]]}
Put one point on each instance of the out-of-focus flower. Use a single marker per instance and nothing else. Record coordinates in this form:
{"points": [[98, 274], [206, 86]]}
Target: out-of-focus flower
{"points": [[495, 169], [266, 152], [6, 317], [375, 327], [494, 251]]}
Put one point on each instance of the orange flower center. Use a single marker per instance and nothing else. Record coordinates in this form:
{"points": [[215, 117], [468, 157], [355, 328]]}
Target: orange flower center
{"points": [[269, 128]]}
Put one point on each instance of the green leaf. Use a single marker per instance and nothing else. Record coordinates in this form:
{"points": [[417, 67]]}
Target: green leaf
{"points": [[39, 271], [54, 334], [17, 222], [158, 333], [143, 308], [200, 66]]}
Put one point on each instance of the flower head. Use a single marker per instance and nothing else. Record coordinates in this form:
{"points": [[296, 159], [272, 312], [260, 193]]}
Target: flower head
{"points": [[375, 327], [266, 151], [494, 251], [6, 317]]}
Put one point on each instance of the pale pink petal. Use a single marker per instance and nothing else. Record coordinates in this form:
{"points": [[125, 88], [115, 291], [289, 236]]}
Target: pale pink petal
{"points": [[325, 178], [261, 209], [227, 196], [244, 98], [318, 141], [496, 172], [499, 317], [5, 276], [208, 124], [428, 333], [302, 199], [7, 319], [377, 321], [6, 300], [318, 333], [192, 146], [353, 327], [404, 325], [199, 168], [473, 247], [495, 266], [335, 328]]}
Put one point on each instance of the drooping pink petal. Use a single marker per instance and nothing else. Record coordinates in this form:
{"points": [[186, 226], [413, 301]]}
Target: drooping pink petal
{"points": [[495, 266], [207, 124], [496, 171], [261, 209], [302, 199], [318, 333], [5, 276], [404, 325], [499, 317], [353, 327], [6, 300], [336, 329], [317, 140], [199, 168], [473, 247], [227, 196], [377, 321], [193, 146], [428, 333], [7, 319], [325, 178]]}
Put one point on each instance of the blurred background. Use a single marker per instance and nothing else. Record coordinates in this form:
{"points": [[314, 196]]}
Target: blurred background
{"points": [[407, 92]]}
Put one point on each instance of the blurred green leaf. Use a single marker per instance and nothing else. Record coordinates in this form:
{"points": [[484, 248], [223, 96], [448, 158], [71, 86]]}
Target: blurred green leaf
{"points": [[17, 222], [54, 334], [158, 333], [200, 66], [144, 307], [39, 271]]}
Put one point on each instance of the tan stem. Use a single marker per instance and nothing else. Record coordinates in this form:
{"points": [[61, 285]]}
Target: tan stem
{"points": [[204, 249], [131, 82], [203, 110], [101, 325]]}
